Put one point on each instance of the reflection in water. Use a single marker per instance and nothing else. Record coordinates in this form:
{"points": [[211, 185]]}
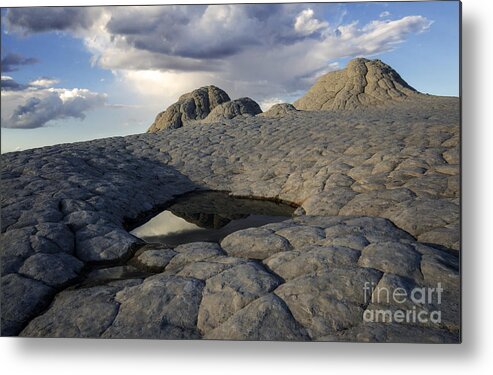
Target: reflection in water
{"points": [[210, 216], [163, 224]]}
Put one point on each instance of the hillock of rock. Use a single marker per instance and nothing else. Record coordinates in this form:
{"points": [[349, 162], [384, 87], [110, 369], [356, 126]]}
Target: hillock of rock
{"points": [[207, 104], [239, 107], [195, 105], [279, 110], [363, 83]]}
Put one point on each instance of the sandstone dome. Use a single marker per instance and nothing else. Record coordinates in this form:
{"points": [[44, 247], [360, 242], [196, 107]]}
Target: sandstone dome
{"points": [[195, 105], [206, 105], [231, 109], [279, 110], [363, 83]]}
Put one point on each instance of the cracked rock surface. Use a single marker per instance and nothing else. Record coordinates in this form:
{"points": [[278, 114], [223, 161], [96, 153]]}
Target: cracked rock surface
{"points": [[314, 290], [378, 192]]}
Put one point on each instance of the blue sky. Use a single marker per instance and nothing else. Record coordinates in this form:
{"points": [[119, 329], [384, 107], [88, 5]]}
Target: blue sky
{"points": [[73, 74]]}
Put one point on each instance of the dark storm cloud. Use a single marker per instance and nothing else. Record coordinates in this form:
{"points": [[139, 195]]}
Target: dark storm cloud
{"points": [[36, 20], [205, 32], [12, 61], [9, 84], [142, 20], [191, 38]]}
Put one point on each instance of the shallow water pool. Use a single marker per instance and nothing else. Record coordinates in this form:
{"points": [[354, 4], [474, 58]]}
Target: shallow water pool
{"points": [[210, 216]]}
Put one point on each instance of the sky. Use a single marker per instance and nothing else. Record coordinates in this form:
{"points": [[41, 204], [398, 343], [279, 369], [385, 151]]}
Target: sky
{"points": [[78, 73]]}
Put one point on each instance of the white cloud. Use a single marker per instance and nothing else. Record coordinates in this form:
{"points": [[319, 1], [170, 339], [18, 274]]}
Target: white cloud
{"points": [[374, 37], [34, 108], [162, 86], [266, 104], [307, 24], [384, 14], [43, 82]]}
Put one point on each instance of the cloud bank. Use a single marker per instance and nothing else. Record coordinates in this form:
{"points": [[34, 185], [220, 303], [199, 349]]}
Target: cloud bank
{"points": [[42, 19], [262, 50], [34, 105]]}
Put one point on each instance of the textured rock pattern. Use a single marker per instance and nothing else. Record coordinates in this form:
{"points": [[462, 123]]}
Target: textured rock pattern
{"points": [[195, 105], [363, 83], [239, 107], [380, 190], [313, 291]]}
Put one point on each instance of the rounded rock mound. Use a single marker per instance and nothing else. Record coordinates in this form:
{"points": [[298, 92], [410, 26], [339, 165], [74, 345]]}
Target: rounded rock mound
{"points": [[229, 110], [195, 105], [280, 110], [364, 83]]}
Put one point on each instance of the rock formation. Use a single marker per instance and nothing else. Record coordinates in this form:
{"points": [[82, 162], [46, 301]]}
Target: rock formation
{"points": [[279, 110], [379, 192], [206, 105], [239, 107], [363, 83], [195, 105]]}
